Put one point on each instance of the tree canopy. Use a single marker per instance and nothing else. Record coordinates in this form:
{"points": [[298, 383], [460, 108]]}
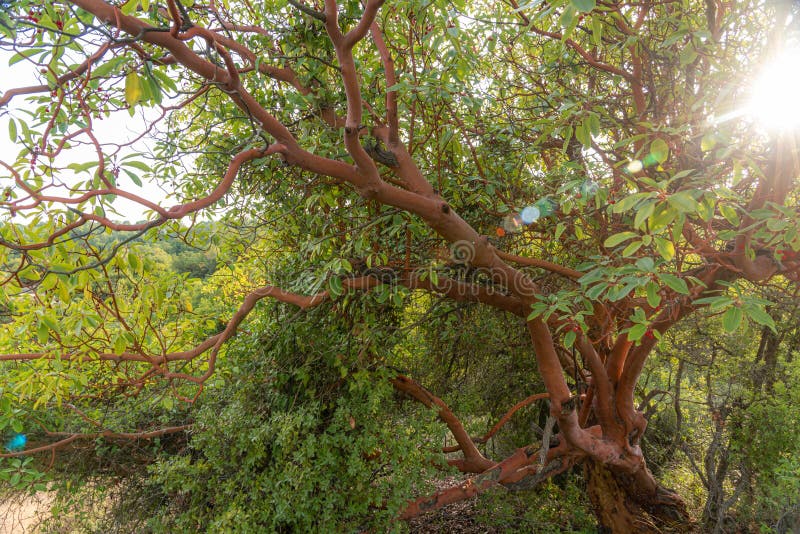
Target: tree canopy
{"points": [[556, 185]]}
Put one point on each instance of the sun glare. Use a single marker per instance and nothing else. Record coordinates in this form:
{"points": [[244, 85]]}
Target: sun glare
{"points": [[775, 102]]}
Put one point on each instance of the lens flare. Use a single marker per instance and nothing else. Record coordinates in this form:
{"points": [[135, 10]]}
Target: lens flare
{"points": [[512, 223], [530, 214], [634, 166], [775, 102], [16, 443]]}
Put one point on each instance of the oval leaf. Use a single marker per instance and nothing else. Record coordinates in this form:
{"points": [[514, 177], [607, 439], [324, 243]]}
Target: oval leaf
{"points": [[732, 318], [584, 5], [659, 150], [133, 88], [616, 239]]}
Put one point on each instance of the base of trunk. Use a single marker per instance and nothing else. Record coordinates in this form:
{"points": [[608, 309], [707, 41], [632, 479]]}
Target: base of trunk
{"points": [[623, 504]]}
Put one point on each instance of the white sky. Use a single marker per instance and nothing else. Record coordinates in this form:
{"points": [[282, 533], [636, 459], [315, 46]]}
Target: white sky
{"points": [[119, 128]]}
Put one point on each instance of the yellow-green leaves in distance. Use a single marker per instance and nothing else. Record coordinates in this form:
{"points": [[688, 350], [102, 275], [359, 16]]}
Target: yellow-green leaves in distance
{"points": [[133, 89]]}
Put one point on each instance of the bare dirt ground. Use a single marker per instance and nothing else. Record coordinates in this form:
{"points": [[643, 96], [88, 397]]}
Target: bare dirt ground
{"points": [[21, 514], [458, 518]]}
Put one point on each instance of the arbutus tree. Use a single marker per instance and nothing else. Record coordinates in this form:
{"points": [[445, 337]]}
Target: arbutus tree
{"points": [[591, 169]]}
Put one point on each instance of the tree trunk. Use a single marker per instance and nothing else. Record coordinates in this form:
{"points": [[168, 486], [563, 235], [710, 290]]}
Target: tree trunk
{"points": [[634, 504]]}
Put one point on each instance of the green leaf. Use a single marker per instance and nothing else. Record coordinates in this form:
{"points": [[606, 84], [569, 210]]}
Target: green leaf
{"points": [[759, 315], [729, 213], [631, 248], [653, 295], [684, 202], [708, 142], [583, 134], [636, 332], [82, 167], [715, 303], [12, 130], [129, 7], [592, 276], [595, 291], [665, 248], [133, 261], [645, 264], [565, 20], [584, 5], [335, 286], [133, 89], [705, 209], [629, 201], [134, 177], [659, 150], [643, 213], [50, 322], [42, 333], [616, 239], [119, 345], [25, 54], [108, 67], [687, 56], [570, 338], [675, 283], [732, 318], [597, 31], [560, 227], [137, 165]]}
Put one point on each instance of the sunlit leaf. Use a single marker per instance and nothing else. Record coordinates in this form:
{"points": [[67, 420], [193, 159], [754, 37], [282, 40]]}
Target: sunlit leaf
{"points": [[133, 88]]}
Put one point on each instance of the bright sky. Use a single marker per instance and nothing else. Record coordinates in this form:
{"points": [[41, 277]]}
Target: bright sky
{"points": [[120, 128]]}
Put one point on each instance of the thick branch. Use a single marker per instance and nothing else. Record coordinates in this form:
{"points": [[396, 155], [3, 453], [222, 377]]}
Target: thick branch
{"points": [[511, 472]]}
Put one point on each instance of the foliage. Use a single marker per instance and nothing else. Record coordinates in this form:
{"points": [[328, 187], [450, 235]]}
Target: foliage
{"points": [[559, 506], [731, 434]]}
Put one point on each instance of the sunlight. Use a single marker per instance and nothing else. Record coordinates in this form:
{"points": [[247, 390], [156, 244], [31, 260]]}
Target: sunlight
{"points": [[775, 101]]}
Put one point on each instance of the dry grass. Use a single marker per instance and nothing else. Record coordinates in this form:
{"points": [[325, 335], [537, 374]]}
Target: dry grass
{"points": [[22, 513]]}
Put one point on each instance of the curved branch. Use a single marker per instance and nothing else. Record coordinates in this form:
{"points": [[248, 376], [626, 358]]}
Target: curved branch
{"points": [[391, 80], [343, 45], [60, 81], [541, 264], [473, 460], [503, 420], [104, 434], [604, 391]]}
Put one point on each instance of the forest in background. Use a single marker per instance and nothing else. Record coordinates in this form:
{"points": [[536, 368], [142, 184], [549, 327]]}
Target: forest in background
{"points": [[725, 438]]}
